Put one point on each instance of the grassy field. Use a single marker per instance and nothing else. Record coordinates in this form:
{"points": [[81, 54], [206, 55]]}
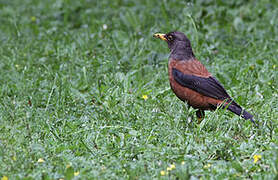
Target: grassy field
{"points": [[74, 74]]}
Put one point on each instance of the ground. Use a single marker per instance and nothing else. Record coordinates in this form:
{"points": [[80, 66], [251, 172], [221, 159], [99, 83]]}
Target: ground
{"points": [[85, 94]]}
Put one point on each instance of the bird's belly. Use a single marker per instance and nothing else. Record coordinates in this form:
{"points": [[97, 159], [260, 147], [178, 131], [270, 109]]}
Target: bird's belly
{"points": [[193, 98], [185, 94]]}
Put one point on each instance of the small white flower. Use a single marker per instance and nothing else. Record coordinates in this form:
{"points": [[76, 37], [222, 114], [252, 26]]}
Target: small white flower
{"points": [[104, 26]]}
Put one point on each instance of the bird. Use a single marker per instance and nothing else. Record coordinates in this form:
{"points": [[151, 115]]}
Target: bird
{"points": [[192, 82]]}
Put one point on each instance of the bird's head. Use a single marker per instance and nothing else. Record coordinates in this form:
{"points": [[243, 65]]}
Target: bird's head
{"points": [[173, 38], [178, 43]]}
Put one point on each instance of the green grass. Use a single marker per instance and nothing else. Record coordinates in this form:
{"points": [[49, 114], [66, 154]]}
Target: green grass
{"points": [[71, 90]]}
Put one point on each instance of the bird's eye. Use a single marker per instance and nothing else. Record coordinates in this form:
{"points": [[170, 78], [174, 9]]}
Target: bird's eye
{"points": [[170, 37]]}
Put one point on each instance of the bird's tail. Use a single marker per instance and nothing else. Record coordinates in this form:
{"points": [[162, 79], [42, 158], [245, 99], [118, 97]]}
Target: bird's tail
{"points": [[235, 108]]}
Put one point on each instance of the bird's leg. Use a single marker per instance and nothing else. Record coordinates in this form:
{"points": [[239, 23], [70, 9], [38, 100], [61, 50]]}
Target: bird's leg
{"points": [[200, 115]]}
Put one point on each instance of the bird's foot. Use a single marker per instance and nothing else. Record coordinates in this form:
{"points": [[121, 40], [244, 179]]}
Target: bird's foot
{"points": [[200, 115], [200, 119]]}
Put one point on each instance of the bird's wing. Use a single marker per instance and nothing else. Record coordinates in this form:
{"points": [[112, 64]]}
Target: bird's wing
{"points": [[207, 86]]}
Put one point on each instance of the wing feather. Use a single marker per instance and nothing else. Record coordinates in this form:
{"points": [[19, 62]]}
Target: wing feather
{"points": [[207, 86]]}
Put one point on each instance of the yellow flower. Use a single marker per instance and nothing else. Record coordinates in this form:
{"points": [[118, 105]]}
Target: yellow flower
{"points": [[17, 66], [68, 166], [145, 97], [4, 178], [14, 158], [257, 158], [172, 166], [162, 173], [33, 18], [237, 175], [182, 163], [274, 66], [41, 160], [76, 173], [207, 166]]}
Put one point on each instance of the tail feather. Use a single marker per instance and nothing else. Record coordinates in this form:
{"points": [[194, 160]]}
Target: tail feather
{"points": [[240, 112]]}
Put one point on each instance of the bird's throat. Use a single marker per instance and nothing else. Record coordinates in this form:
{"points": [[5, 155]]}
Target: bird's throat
{"points": [[181, 51]]}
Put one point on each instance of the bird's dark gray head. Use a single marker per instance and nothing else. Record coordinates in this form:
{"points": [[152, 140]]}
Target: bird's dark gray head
{"points": [[178, 43]]}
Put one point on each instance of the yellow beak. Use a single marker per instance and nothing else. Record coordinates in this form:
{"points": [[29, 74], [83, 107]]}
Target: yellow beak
{"points": [[160, 36]]}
